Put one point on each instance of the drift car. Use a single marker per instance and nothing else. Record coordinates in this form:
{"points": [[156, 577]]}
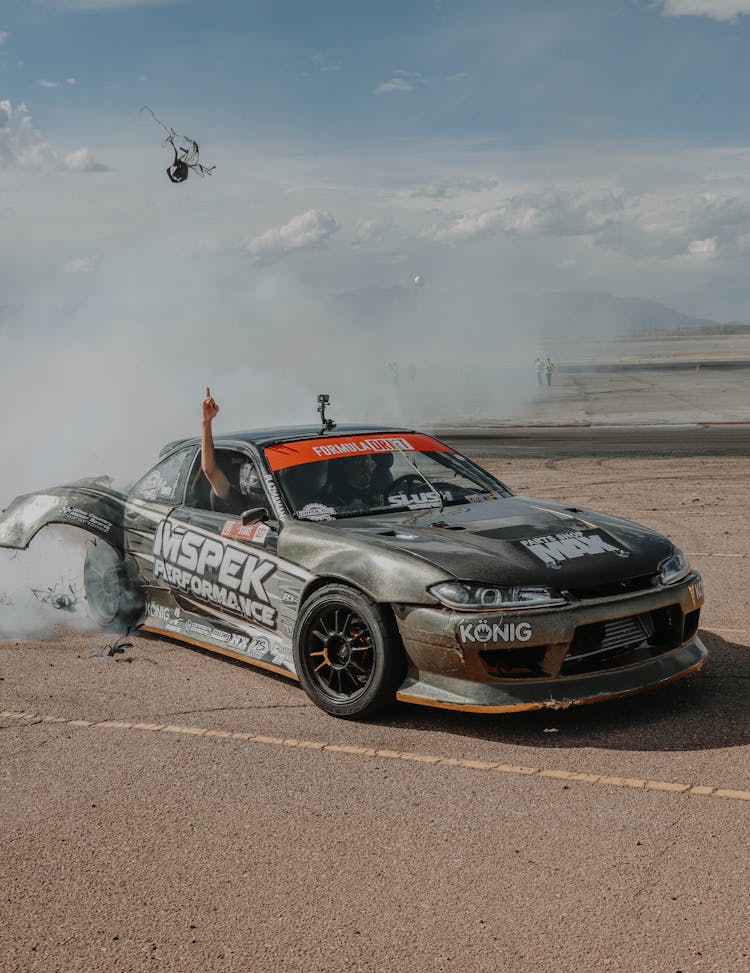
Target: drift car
{"points": [[377, 564]]}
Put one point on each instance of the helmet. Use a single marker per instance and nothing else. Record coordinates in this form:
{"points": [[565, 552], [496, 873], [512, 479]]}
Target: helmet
{"points": [[249, 480]]}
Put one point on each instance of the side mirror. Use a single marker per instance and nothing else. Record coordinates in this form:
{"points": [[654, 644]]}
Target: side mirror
{"points": [[254, 515]]}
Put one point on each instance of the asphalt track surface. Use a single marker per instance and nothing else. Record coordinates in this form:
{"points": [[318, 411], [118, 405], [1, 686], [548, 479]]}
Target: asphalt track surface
{"points": [[161, 808], [695, 439]]}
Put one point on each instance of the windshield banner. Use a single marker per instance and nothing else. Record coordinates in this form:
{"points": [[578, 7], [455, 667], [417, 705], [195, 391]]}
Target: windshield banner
{"points": [[332, 447]]}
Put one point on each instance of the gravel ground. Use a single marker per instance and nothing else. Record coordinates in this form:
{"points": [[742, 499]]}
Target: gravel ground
{"points": [[189, 814]]}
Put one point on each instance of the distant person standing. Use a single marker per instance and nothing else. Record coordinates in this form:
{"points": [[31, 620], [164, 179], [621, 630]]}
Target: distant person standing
{"points": [[538, 367], [548, 369]]}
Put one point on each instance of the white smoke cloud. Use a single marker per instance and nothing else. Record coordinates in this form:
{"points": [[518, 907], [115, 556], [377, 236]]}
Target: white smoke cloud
{"points": [[304, 230]]}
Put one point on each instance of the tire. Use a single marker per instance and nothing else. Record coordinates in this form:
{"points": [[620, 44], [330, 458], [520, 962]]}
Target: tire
{"points": [[348, 653], [111, 601]]}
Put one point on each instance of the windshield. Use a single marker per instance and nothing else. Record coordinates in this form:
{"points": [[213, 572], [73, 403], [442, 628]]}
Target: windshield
{"points": [[349, 476]]}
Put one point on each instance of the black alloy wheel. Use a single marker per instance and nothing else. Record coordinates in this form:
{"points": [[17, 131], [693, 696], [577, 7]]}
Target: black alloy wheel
{"points": [[347, 653]]}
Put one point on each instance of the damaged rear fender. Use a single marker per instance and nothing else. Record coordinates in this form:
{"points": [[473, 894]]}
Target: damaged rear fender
{"points": [[89, 504]]}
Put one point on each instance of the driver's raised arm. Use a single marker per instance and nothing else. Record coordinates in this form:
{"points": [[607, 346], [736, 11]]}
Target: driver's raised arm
{"points": [[214, 474]]}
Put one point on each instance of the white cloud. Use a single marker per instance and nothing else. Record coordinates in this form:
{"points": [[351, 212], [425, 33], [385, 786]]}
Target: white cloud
{"points": [[721, 10], [82, 160], [457, 186], [401, 81], [3, 36], [81, 265], [640, 225], [704, 248], [304, 230], [321, 63], [551, 212], [44, 83], [23, 147], [473, 223]]}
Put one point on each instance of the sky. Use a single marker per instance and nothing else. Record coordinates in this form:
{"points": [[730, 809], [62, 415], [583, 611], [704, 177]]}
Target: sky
{"points": [[495, 148]]}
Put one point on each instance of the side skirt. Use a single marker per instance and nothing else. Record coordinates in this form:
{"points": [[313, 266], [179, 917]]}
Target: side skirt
{"points": [[239, 656]]}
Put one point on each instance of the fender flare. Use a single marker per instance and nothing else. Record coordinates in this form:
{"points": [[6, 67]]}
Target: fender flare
{"points": [[91, 505]]}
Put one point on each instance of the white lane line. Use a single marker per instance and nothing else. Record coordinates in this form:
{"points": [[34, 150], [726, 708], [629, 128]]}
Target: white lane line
{"points": [[639, 783]]}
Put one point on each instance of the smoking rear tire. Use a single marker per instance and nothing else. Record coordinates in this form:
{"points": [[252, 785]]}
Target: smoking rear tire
{"points": [[348, 653], [110, 598]]}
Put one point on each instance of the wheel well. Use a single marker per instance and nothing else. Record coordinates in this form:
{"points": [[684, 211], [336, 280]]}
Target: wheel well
{"points": [[323, 580]]}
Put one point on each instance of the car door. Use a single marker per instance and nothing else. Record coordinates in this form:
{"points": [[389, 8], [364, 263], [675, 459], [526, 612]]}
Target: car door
{"points": [[228, 573]]}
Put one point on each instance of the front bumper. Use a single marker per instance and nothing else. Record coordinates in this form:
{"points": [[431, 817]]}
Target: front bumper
{"points": [[495, 662]]}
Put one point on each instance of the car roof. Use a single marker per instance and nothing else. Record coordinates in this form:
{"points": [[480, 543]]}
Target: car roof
{"points": [[261, 438]]}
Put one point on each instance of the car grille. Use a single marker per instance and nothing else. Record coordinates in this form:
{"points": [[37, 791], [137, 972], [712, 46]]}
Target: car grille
{"points": [[623, 641], [608, 638], [600, 645]]}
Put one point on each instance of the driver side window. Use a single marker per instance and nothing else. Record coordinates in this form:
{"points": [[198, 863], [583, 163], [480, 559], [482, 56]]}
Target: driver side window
{"points": [[245, 485]]}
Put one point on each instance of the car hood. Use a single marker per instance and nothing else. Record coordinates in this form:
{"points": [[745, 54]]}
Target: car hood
{"points": [[520, 540]]}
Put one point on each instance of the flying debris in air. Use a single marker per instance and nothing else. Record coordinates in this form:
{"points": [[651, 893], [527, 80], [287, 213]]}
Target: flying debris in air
{"points": [[186, 153], [57, 597], [418, 281]]}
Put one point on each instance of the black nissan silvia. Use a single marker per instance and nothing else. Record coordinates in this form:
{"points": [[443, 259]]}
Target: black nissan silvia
{"points": [[379, 564]]}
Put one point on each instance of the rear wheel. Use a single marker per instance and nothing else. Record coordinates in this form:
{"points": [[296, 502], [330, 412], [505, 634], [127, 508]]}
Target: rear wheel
{"points": [[112, 602], [347, 653]]}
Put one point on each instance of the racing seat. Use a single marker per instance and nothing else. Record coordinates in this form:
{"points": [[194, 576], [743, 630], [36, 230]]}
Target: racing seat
{"points": [[305, 484], [382, 477]]}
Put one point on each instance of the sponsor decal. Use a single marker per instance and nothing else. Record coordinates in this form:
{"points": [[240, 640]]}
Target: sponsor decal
{"points": [[82, 518], [289, 598], [273, 492], [160, 612], [553, 549], [156, 487], [251, 532], [259, 646], [232, 640], [483, 632], [317, 511], [385, 445], [283, 455], [287, 629], [696, 591], [215, 570], [415, 501]]}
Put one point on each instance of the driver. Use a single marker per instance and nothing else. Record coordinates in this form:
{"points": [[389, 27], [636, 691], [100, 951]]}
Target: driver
{"points": [[225, 497], [350, 483]]}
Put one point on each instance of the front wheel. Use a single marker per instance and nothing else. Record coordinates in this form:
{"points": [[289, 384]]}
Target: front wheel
{"points": [[347, 653]]}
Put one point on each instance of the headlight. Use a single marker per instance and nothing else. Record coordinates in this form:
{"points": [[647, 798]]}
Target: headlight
{"points": [[675, 567], [467, 595]]}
